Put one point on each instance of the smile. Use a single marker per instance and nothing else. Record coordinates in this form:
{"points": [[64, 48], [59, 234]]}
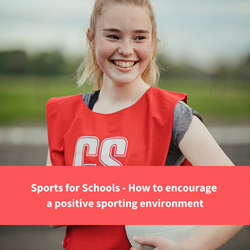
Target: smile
{"points": [[124, 64]]}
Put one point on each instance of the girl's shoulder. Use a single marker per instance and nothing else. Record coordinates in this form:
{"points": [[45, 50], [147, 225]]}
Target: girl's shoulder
{"points": [[162, 102], [58, 106], [63, 100], [183, 115], [162, 94]]}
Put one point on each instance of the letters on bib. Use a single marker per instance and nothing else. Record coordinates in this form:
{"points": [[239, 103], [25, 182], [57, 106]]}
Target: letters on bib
{"points": [[90, 146]]}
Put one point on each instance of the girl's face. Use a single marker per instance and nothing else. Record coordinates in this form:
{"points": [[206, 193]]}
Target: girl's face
{"points": [[123, 42]]}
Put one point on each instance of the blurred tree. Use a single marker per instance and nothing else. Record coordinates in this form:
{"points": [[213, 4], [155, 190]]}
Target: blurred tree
{"points": [[14, 62], [48, 63], [171, 69], [246, 69]]}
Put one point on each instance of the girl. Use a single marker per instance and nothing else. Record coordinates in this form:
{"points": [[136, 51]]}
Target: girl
{"points": [[125, 121]]}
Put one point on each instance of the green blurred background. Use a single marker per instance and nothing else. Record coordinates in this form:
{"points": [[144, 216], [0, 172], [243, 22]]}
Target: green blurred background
{"points": [[26, 83]]}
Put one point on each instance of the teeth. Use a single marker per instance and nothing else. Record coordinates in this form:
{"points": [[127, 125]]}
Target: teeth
{"points": [[124, 64]]}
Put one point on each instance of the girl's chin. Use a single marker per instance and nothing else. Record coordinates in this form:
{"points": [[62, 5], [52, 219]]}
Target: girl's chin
{"points": [[123, 81]]}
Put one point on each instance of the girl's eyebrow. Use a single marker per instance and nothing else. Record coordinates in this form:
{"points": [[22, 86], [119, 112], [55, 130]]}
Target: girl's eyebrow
{"points": [[111, 30], [141, 31], [117, 31]]}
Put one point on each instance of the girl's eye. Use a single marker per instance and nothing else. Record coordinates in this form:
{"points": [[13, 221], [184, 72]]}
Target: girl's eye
{"points": [[113, 37], [140, 38]]}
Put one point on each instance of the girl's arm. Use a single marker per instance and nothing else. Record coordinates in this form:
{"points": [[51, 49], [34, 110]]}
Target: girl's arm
{"points": [[205, 238], [200, 148]]}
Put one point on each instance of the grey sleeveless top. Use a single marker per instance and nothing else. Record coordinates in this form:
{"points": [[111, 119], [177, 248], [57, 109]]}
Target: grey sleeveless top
{"points": [[183, 116]]}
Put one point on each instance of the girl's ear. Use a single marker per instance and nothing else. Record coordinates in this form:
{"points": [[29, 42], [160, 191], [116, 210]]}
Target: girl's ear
{"points": [[91, 39]]}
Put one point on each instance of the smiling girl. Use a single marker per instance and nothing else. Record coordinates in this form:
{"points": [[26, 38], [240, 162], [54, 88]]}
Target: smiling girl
{"points": [[125, 121]]}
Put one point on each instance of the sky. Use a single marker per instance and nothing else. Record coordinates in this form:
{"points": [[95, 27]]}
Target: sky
{"points": [[199, 32]]}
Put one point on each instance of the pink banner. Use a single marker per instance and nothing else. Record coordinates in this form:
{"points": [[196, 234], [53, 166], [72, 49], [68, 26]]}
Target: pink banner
{"points": [[124, 195]]}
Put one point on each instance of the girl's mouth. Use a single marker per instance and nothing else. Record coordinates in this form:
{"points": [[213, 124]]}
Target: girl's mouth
{"points": [[124, 64]]}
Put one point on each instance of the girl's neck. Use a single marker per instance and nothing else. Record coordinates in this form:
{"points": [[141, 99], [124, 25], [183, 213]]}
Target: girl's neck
{"points": [[114, 97]]}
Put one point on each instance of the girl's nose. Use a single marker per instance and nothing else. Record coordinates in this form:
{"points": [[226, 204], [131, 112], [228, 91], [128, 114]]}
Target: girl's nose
{"points": [[126, 48]]}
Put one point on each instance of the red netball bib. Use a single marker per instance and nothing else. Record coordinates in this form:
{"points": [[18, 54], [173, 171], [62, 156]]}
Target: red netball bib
{"points": [[138, 135]]}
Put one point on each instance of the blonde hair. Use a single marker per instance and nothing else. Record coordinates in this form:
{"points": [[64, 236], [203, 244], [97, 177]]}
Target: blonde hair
{"points": [[89, 70]]}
